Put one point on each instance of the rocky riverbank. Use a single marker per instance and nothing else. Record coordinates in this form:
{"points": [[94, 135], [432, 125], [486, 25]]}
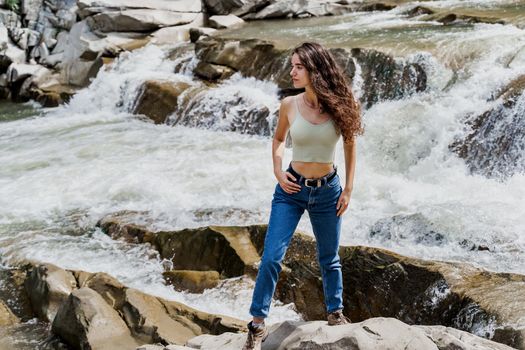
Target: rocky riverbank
{"points": [[95, 311], [378, 283]]}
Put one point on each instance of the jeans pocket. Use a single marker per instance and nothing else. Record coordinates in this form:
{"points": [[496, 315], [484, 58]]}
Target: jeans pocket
{"points": [[334, 183]]}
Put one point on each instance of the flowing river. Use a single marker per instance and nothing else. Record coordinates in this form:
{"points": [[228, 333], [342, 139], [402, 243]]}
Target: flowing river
{"points": [[63, 169]]}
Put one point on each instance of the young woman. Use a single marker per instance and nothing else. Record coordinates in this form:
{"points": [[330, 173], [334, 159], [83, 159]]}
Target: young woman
{"points": [[316, 120]]}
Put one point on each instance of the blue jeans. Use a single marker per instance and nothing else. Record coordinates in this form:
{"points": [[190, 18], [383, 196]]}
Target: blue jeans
{"points": [[286, 211]]}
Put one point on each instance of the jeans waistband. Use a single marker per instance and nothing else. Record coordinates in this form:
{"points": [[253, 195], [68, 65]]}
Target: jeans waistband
{"points": [[316, 182]]}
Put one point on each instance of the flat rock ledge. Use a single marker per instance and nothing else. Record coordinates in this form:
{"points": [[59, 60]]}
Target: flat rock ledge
{"points": [[372, 334], [377, 282]]}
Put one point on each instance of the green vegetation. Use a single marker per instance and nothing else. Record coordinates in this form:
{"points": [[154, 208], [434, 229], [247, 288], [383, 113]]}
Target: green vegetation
{"points": [[13, 5]]}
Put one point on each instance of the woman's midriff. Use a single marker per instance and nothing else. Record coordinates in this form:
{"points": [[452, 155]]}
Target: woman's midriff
{"points": [[312, 170]]}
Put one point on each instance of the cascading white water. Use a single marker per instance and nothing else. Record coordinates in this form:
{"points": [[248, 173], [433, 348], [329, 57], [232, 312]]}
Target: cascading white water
{"points": [[68, 167]]}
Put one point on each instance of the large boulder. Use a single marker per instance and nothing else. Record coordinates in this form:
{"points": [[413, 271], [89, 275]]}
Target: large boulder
{"points": [[158, 99], [143, 20], [227, 250], [238, 111], [372, 334], [19, 71], [91, 7], [494, 144], [300, 8], [386, 78], [85, 321], [48, 287]]}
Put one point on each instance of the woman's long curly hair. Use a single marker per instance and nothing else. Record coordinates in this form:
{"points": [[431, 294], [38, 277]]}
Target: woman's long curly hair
{"points": [[332, 88]]}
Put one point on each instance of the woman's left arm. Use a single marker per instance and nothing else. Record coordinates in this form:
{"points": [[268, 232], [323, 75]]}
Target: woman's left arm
{"points": [[350, 155]]}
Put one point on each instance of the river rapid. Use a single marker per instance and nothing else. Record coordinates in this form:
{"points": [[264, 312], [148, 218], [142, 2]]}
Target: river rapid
{"points": [[63, 169]]}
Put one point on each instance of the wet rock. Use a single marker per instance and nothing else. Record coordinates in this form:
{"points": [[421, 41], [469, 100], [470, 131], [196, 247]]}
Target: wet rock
{"points": [[48, 287], [419, 11], [225, 7], [53, 95], [382, 283], [142, 20], [86, 321], [13, 293], [387, 79], [493, 146], [300, 9], [452, 18], [157, 99], [196, 33], [377, 6], [414, 228], [239, 112], [227, 21], [372, 334], [256, 58], [192, 281], [212, 72], [227, 250], [7, 318]]}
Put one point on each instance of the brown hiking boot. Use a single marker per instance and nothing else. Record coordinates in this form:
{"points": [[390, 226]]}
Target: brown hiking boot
{"points": [[337, 318], [256, 335]]}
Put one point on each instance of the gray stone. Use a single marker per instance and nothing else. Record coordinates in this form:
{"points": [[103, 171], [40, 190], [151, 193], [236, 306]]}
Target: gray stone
{"points": [[30, 9], [300, 8], [9, 18], [372, 334], [91, 7], [13, 54], [25, 37], [20, 71], [138, 20], [227, 21]]}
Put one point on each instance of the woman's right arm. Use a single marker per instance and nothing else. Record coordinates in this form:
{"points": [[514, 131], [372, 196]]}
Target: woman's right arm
{"points": [[283, 177]]}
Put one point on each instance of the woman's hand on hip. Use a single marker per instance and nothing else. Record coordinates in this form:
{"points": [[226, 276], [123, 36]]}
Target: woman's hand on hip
{"points": [[343, 202], [286, 181]]}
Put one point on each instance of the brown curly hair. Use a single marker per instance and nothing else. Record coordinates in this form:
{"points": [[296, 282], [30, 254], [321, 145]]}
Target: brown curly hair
{"points": [[332, 88]]}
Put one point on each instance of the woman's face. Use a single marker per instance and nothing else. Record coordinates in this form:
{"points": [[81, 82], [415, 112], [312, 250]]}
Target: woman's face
{"points": [[299, 74]]}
